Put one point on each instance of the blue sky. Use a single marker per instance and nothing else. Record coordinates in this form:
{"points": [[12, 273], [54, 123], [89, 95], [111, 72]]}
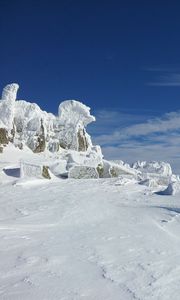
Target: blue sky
{"points": [[121, 58]]}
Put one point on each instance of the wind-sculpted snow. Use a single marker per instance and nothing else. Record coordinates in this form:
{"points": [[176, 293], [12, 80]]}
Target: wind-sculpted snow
{"points": [[75, 113], [7, 106], [88, 239], [28, 125], [9, 92]]}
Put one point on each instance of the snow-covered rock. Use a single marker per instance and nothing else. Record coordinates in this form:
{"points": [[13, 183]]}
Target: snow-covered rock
{"points": [[7, 105], [150, 182], [154, 167], [30, 170], [172, 189], [73, 118], [109, 169], [92, 157], [27, 124], [9, 92], [59, 168], [83, 172]]}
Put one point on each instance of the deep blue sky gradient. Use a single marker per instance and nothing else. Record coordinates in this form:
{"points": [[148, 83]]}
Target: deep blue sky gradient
{"points": [[104, 53]]}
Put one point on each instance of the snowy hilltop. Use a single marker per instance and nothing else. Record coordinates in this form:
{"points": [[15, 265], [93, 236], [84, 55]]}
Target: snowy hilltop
{"points": [[47, 145]]}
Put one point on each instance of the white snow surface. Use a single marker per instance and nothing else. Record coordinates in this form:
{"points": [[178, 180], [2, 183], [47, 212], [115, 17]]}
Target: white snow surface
{"points": [[87, 239]]}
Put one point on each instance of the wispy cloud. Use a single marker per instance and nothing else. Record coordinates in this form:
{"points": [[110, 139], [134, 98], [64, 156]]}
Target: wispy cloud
{"points": [[168, 122], [109, 120], [172, 79], [167, 75], [154, 139]]}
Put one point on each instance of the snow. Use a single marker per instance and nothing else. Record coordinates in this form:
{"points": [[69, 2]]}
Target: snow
{"points": [[9, 92], [114, 237], [115, 169], [85, 239], [29, 123], [30, 170], [75, 112], [153, 167], [7, 105], [172, 189]]}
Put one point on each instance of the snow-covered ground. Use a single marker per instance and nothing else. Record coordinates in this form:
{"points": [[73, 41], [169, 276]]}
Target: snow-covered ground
{"points": [[87, 239], [71, 239]]}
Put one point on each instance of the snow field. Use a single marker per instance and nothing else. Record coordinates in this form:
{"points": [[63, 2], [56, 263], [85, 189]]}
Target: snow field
{"points": [[88, 239]]}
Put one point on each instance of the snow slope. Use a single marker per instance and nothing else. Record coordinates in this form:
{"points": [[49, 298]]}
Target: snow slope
{"points": [[87, 239]]}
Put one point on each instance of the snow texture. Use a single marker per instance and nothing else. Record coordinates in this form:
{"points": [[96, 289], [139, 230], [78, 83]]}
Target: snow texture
{"points": [[86, 239]]}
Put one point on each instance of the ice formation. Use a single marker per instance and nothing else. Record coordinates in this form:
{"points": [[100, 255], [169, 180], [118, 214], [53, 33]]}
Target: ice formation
{"points": [[7, 105], [28, 125], [9, 92], [153, 167], [64, 138]]}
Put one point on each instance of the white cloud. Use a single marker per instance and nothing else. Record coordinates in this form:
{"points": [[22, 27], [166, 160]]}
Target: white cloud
{"points": [[155, 139], [168, 122], [169, 79]]}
